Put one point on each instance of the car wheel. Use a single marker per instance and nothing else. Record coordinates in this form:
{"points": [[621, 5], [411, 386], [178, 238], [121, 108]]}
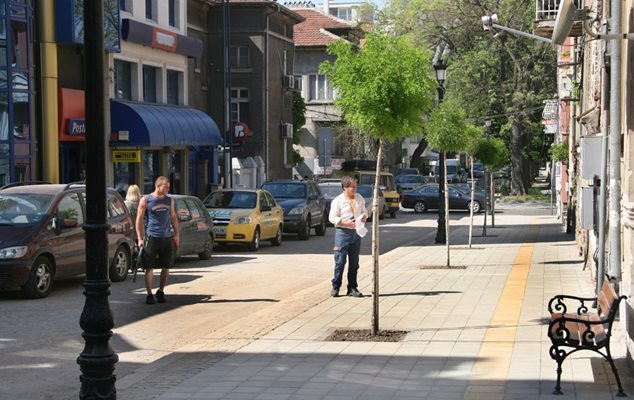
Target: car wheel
{"points": [[476, 206], [277, 240], [420, 207], [320, 229], [121, 262], [40, 281], [207, 249], [255, 243], [304, 231]]}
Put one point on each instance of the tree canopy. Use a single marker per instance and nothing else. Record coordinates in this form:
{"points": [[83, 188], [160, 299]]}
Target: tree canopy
{"points": [[383, 88]]}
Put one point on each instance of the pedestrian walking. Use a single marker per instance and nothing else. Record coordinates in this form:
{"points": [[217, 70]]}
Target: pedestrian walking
{"points": [[132, 198], [161, 234], [347, 214]]}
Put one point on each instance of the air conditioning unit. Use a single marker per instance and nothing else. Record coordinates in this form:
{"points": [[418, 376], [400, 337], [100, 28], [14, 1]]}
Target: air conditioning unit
{"points": [[287, 130], [288, 81]]}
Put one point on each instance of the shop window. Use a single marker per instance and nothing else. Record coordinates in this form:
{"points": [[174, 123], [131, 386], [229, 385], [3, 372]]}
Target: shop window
{"points": [[21, 125], [5, 172], [122, 80], [4, 117], [240, 57], [149, 84], [151, 169], [174, 83], [22, 170], [240, 105], [19, 50]]}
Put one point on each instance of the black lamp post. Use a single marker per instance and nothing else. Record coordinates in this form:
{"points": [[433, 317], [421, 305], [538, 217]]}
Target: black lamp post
{"points": [[441, 68], [487, 194], [97, 360]]}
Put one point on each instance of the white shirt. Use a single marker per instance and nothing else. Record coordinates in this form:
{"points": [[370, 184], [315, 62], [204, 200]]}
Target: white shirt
{"points": [[341, 209]]}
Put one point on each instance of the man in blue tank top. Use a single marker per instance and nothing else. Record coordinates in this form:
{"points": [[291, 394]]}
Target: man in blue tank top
{"points": [[161, 235]]}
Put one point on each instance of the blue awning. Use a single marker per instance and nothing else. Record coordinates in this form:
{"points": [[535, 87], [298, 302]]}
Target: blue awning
{"points": [[161, 125]]}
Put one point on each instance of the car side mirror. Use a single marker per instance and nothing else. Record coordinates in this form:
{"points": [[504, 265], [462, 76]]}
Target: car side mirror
{"points": [[265, 207]]}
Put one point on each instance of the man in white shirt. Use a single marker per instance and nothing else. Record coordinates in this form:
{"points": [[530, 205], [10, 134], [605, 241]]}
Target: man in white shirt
{"points": [[345, 210]]}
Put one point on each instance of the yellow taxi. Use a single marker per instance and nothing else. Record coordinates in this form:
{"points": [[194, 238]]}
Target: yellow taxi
{"points": [[245, 216]]}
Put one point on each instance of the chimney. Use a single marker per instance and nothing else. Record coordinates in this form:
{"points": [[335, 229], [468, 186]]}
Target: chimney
{"points": [[326, 5]]}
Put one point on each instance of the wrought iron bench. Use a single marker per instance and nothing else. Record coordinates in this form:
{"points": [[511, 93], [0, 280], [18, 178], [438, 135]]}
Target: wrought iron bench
{"points": [[583, 330]]}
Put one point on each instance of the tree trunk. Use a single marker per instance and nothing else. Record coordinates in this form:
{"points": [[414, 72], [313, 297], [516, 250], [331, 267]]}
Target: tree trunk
{"points": [[472, 200], [375, 242], [444, 166], [517, 146], [415, 161]]}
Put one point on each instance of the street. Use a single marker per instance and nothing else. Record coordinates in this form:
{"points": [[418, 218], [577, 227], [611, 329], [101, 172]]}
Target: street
{"points": [[236, 294]]}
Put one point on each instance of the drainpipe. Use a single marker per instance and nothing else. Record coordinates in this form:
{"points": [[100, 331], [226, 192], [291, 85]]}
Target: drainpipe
{"points": [[603, 172], [615, 143], [48, 75]]}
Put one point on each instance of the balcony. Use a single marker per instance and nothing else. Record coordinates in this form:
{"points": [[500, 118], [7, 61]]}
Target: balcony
{"points": [[545, 14]]}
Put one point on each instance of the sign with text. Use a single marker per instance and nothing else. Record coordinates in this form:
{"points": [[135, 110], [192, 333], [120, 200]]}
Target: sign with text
{"points": [[76, 127], [133, 156]]}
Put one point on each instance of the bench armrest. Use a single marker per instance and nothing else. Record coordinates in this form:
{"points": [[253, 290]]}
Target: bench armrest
{"points": [[558, 304]]}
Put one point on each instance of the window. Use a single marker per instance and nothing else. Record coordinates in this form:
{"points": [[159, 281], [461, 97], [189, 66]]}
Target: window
{"points": [[319, 89], [240, 57], [122, 80], [173, 86], [149, 84], [149, 12], [115, 206], [240, 105], [70, 208], [172, 12]]}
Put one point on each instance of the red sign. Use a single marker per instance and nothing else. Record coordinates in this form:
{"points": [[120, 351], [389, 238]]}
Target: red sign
{"points": [[240, 131]]}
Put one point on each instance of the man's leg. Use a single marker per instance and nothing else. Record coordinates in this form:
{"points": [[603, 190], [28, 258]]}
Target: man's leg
{"points": [[340, 250], [165, 273], [353, 261], [148, 280]]}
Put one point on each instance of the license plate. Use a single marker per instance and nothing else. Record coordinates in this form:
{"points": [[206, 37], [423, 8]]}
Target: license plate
{"points": [[220, 230]]}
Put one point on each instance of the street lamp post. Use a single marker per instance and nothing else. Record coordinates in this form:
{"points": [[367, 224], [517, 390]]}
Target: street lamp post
{"points": [[441, 68], [97, 360], [487, 177]]}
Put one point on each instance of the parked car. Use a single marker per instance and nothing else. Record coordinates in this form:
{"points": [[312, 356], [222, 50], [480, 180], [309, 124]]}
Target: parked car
{"points": [[425, 198], [367, 192], [303, 205], [466, 188], [478, 170], [455, 173], [410, 182], [330, 190], [502, 173], [43, 240], [195, 227], [386, 183], [245, 216]]}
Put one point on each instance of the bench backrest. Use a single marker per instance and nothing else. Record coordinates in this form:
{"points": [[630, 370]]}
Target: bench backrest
{"points": [[608, 301]]}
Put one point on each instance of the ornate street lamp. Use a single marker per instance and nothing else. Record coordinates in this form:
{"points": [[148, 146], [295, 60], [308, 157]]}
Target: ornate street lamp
{"points": [[97, 360], [441, 69]]}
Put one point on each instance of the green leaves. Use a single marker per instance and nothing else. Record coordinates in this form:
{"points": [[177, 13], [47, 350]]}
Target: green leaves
{"points": [[493, 153], [447, 129], [385, 87]]}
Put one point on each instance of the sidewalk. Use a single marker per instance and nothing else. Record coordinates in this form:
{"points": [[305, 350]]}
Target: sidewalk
{"points": [[474, 333]]}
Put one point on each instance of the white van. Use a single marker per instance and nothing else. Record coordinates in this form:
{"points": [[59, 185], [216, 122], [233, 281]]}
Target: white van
{"points": [[455, 173]]}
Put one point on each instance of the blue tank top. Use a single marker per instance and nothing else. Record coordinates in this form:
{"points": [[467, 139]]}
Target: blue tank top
{"points": [[159, 224]]}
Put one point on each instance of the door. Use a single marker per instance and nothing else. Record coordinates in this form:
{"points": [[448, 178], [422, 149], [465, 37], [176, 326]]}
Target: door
{"points": [[199, 225], [186, 227], [70, 238]]}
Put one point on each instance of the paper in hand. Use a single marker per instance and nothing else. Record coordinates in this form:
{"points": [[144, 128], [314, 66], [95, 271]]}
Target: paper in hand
{"points": [[359, 226]]}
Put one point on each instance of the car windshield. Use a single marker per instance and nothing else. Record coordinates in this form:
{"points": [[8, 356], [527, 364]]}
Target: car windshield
{"points": [[365, 191], [23, 208], [330, 191], [286, 190], [231, 199]]}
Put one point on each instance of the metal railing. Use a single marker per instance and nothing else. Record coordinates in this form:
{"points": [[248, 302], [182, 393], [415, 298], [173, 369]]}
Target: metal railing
{"points": [[547, 9]]}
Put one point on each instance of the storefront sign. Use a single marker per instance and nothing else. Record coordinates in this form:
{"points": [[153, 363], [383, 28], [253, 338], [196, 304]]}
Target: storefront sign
{"points": [[133, 156], [164, 40], [76, 127]]}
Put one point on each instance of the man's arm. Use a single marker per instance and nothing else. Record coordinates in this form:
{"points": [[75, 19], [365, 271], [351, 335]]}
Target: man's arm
{"points": [[140, 214], [174, 219]]}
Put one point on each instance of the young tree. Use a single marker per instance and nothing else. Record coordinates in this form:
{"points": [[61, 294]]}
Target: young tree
{"points": [[383, 90], [473, 136], [447, 132], [493, 154]]}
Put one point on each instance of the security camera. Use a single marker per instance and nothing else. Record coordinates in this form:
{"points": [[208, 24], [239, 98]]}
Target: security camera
{"points": [[488, 21]]}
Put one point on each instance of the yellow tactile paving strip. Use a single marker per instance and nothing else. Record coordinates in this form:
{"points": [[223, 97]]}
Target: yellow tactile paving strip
{"points": [[490, 371]]}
